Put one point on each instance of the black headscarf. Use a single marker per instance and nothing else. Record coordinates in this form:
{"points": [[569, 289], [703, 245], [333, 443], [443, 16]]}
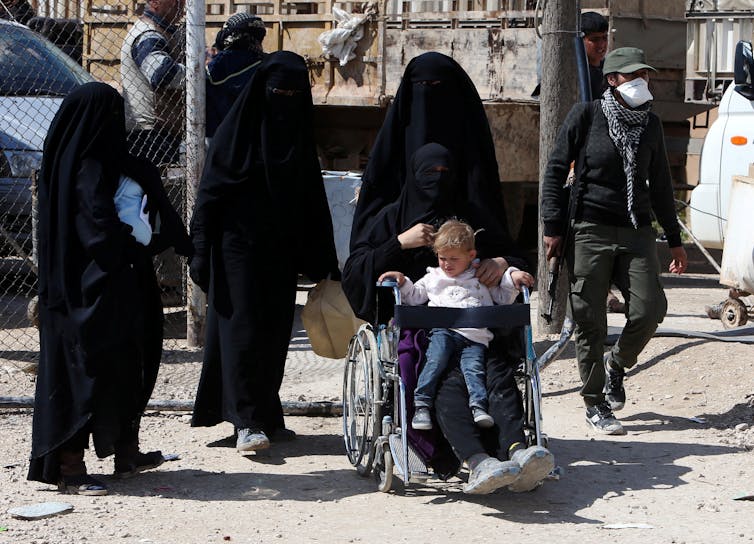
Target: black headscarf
{"points": [[241, 32], [85, 153], [262, 171], [429, 193], [435, 102], [90, 124]]}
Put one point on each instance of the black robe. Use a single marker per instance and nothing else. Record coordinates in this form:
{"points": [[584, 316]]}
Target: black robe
{"points": [[429, 196], [99, 303], [435, 102], [261, 217]]}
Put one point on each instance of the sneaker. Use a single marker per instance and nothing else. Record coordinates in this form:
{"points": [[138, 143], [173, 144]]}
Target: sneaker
{"points": [[422, 419], [615, 394], [601, 418], [251, 440], [491, 474], [139, 463], [536, 463], [481, 418], [82, 484]]}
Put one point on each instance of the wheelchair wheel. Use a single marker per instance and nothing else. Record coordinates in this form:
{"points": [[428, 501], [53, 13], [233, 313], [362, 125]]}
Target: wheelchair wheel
{"points": [[383, 470], [362, 414]]}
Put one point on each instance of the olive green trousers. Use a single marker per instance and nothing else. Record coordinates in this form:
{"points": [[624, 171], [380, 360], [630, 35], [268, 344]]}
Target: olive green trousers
{"points": [[598, 256]]}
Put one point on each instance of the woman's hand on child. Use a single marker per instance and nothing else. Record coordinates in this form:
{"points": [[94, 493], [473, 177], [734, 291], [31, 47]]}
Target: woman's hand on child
{"points": [[399, 278], [490, 271], [419, 235], [521, 278]]}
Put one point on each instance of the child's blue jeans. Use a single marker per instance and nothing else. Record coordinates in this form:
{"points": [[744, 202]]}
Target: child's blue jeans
{"points": [[444, 346]]}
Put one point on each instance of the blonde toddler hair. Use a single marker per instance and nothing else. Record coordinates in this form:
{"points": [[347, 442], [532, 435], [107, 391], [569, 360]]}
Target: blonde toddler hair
{"points": [[453, 234]]}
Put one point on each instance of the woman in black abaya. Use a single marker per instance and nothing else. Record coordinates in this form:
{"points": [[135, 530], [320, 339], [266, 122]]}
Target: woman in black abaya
{"points": [[434, 159], [435, 102], [261, 218], [99, 302]]}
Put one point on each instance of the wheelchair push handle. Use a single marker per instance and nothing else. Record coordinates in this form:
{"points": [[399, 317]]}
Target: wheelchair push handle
{"points": [[391, 283], [525, 291]]}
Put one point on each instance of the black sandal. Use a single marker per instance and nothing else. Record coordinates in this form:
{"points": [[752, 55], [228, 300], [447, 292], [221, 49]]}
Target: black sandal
{"points": [[81, 484], [139, 463]]}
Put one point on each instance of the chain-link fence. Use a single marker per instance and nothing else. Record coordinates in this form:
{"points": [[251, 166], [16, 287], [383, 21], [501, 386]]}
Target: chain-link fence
{"points": [[61, 45], [48, 47], [143, 57]]}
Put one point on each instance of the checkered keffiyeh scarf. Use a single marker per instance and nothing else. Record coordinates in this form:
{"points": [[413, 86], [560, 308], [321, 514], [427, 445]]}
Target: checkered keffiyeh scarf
{"points": [[625, 127]]}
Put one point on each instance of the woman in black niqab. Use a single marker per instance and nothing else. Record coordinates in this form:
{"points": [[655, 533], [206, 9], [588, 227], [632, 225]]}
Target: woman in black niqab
{"points": [[426, 200], [436, 101], [99, 303], [261, 218]]}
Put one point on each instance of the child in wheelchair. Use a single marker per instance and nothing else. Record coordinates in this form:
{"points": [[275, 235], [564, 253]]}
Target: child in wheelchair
{"points": [[453, 284]]}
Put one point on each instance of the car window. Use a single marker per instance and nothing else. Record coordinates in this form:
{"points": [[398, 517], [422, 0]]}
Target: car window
{"points": [[32, 66]]}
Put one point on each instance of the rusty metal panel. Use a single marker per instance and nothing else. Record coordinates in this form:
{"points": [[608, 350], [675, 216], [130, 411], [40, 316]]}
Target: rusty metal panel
{"points": [[518, 63], [647, 10], [664, 42], [501, 62], [515, 131], [302, 37], [356, 84]]}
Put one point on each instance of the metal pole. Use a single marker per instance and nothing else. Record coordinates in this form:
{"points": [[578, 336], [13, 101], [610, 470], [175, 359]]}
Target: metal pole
{"points": [[290, 408], [557, 95], [696, 241], [195, 150]]}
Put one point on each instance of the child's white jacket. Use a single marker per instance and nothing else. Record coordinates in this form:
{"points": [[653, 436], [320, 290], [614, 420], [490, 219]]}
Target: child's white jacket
{"points": [[462, 291]]}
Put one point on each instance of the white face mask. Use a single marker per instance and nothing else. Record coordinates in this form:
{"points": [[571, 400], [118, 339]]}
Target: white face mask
{"points": [[635, 92]]}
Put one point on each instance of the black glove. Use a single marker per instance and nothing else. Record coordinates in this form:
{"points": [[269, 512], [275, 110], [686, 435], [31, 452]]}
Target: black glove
{"points": [[199, 270]]}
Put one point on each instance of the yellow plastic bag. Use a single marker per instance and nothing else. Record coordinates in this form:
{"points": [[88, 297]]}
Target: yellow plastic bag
{"points": [[329, 320]]}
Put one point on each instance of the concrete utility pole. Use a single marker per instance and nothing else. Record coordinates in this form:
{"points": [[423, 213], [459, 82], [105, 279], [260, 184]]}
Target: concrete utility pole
{"points": [[196, 302], [557, 96]]}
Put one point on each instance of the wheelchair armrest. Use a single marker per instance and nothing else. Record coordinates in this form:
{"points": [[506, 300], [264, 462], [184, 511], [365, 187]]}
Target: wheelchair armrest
{"points": [[506, 316]]}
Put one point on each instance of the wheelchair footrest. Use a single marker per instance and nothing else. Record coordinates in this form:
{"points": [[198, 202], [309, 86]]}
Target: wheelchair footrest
{"points": [[417, 470]]}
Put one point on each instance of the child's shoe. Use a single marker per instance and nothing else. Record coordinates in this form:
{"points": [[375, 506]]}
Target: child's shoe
{"points": [[481, 418], [422, 419]]}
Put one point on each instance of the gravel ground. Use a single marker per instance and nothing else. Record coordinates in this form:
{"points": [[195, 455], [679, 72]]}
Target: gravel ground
{"points": [[673, 478]]}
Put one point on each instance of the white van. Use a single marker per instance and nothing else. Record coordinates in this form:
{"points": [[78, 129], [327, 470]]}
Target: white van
{"points": [[728, 151]]}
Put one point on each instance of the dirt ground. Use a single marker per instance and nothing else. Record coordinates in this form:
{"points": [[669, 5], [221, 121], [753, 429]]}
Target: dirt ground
{"points": [[670, 479]]}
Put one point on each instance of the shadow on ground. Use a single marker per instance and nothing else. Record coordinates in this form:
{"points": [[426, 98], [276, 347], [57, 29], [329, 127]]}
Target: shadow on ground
{"points": [[593, 471]]}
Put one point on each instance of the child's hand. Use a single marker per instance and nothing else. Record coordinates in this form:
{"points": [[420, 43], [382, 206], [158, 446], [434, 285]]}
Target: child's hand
{"points": [[399, 278], [520, 278]]}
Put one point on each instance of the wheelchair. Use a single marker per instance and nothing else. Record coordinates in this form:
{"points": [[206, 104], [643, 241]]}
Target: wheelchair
{"points": [[375, 419]]}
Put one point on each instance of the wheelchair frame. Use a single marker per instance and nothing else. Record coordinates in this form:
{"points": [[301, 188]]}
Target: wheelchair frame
{"points": [[374, 395]]}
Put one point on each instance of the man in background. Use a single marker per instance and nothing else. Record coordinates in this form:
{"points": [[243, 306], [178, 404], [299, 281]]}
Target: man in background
{"points": [[594, 26], [153, 75]]}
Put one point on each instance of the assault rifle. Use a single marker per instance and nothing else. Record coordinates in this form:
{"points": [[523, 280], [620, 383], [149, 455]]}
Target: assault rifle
{"points": [[553, 271]]}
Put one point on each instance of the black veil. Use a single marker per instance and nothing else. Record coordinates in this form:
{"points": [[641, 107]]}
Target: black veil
{"points": [[436, 102]]}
